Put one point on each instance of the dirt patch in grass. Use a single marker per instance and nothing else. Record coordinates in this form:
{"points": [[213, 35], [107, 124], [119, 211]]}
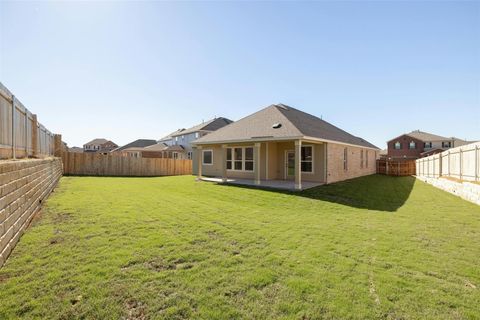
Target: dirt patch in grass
{"points": [[135, 310]]}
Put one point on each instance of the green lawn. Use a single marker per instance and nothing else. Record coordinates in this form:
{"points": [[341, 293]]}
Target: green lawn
{"points": [[171, 248]]}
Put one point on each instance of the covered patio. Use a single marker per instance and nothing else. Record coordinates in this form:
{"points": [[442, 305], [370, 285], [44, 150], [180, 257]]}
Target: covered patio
{"points": [[268, 184], [282, 164]]}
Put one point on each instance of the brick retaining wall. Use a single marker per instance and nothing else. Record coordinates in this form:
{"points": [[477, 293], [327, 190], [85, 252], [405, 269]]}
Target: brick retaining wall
{"points": [[24, 184]]}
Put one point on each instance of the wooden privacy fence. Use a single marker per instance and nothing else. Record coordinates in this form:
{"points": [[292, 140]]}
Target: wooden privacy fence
{"points": [[21, 135], [461, 163], [396, 168], [94, 164]]}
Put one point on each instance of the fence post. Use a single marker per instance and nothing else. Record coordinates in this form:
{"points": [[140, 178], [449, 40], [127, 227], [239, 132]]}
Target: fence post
{"points": [[440, 165], [449, 163], [14, 147], [461, 164], [433, 159], [26, 133], [34, 136], [57, 143], [476, 163]]}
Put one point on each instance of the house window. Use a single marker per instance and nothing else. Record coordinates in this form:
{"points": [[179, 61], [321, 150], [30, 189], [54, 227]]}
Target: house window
{"points": [[207, 157], [307, 159], [183, 137], [238, 156], [345, 154], [398, 145], [175, 155], [446, 144], [189, 155], [240, 159], [196, 135], [229, 159], [412, 145], [361, 159], [248, 159], [427, 144], [366, 158]]}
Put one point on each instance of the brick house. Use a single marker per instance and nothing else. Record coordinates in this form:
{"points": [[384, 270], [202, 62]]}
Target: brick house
{"points": [[418, 144], [282, 147], [99, 145]]}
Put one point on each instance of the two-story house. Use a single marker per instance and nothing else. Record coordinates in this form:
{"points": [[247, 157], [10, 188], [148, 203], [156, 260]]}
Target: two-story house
{"points": [[99, 145], [418, 144], [178, 143]]}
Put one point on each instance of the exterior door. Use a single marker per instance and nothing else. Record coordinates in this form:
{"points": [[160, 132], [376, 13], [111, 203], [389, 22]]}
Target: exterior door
{"points": [[289, 164]]}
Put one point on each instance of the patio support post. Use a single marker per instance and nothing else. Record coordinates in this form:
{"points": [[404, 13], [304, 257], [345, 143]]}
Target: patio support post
{"points": [[199, 161], [224, 163], [298, 168], [256, 163]]}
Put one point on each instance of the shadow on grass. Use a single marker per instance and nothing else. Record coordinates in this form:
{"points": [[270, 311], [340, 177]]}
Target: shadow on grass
{"points": [[375, 192]]}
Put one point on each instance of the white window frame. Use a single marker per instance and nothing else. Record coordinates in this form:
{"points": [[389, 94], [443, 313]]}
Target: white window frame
{"points": [[189, 155], [203, 157], [243, 159], [313, 159]]}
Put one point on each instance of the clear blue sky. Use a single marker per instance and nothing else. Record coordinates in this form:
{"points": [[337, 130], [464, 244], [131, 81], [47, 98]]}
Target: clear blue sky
{"points": [[143, 69]]}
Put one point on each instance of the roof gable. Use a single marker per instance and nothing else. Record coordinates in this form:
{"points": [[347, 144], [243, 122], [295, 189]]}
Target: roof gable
{"points": [[210, 125], [97, 141], [140, 143], [257, 125]]}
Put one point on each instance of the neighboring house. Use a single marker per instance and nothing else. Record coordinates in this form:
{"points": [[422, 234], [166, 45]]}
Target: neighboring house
{"points": [[286, 144], [135, 152], [155, 151], [75, 149], [139, 143], [418, 144], [99, 145], [180, 140]]}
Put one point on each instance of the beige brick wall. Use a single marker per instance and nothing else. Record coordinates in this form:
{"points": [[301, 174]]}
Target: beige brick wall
{"points": [[23, 186], [335, 168]]}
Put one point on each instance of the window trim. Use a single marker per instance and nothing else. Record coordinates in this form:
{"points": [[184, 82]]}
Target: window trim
{"points": [[410, 145], [313, 159], [243, 159], [399, 145], [203, 157], [293, 151]]}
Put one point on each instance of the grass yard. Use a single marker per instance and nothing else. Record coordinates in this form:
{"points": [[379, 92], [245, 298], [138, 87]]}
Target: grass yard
{"points": [[170, 248]]}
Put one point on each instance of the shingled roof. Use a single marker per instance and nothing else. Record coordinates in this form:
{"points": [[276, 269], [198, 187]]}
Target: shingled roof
{"points": [[139, 143], [279, 121], [425, 136], [210, 125]]}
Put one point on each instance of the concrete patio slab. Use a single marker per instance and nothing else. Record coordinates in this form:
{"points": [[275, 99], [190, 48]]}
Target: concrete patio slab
{"points": [[271, 184]]}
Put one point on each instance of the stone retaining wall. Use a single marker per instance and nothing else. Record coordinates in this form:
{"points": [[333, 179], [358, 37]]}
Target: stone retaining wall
{"points": [[465, 190], [24, 184]]}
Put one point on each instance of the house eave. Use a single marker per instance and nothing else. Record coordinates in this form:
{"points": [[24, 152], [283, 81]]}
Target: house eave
{"points": [[268, 139]]}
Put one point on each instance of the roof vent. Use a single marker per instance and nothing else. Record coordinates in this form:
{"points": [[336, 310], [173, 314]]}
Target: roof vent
{"points": [[277, 125]]}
